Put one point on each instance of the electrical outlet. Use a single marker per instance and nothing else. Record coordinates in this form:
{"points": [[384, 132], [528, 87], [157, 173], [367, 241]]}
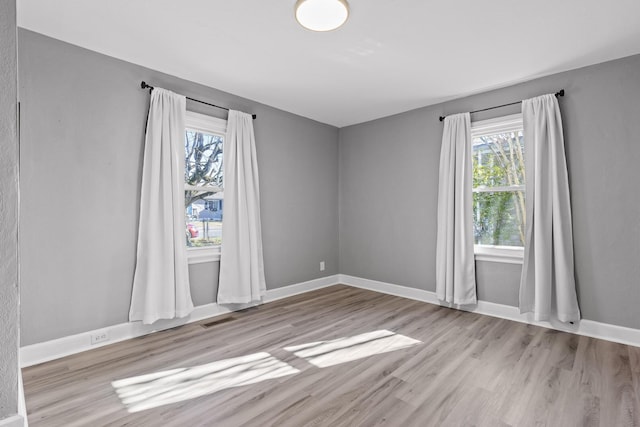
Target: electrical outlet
{"points": [[99, 337], [321, 265]]}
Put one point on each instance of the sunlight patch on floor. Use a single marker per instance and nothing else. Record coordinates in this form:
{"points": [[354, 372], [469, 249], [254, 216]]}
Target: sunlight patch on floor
{"points": [[176, 385], [341, 350]]}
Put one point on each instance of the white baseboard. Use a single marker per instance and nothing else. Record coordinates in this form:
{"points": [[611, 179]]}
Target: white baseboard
{"points": [[390, 289], [65, 346], [300, 288], [22, 406], [585, 327], [13, 421], [54, 349]]}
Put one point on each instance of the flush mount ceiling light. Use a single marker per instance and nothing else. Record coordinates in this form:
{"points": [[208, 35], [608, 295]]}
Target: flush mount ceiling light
{"points": [[321, 15]]}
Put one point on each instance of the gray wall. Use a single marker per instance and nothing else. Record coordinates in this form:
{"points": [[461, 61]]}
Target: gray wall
{"points": [[83, 126], [389, 184], [83, 117], [8, 212]]}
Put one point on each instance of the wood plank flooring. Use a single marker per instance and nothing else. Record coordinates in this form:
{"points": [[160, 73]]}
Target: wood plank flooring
{"points": [[466, 370]]}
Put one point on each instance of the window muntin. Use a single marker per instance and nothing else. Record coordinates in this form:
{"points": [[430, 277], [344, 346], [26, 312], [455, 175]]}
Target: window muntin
{"points": [[498, 183], [204, 180]]}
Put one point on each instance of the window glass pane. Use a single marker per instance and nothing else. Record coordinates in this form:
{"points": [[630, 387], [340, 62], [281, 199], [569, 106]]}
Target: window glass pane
{"points": [[204, 221], [499, 218], [203, 207], [203, 159], [498, 160]]}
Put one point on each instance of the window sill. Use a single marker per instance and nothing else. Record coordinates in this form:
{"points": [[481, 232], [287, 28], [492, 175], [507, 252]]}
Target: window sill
{"points": [[202, 255], [504, 254]]}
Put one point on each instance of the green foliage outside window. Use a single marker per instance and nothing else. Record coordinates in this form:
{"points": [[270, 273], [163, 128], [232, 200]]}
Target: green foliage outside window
{"points": [[499, 215]]}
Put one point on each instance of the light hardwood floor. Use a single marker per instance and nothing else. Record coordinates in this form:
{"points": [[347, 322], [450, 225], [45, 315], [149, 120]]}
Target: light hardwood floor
{"points": [[466, 370]]}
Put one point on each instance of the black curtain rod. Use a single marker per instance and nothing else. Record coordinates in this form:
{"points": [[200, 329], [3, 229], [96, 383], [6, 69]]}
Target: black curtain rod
{"points": [[144, 85], [559, 93]]}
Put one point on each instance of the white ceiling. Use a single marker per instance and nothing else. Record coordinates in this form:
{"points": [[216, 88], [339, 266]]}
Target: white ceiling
{"points": [[391, 56]]}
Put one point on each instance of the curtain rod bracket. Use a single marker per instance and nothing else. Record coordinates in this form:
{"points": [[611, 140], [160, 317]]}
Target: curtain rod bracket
{"points": [[144, 85]]}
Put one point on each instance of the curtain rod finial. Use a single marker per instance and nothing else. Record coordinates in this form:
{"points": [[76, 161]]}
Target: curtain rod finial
{"points": [[442, 118]]}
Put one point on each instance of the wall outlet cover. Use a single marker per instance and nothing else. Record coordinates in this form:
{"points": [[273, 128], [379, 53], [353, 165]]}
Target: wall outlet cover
{"points": [[99, 337]]}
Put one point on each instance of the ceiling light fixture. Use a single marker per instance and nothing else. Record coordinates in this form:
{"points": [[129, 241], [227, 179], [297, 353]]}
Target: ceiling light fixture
{"points": [[321, 15]]}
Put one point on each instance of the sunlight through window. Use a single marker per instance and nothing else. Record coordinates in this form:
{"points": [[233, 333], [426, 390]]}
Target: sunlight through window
{"points": [[341, 350], [176, 385]]}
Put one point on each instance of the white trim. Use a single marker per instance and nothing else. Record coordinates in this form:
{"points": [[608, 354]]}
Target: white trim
{"points": [[65, 346], [498, 189], [50, 350], [205, 254], [212, 125], [19, 419], [300, 288], [22, 406], [14, 421], [204, 188], [204, 123], [504, 254], [510, 123], [589, 328], [390, 289]]}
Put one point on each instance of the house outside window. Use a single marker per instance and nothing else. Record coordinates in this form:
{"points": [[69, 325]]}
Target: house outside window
{"points": [[499, 215], [204, 185]]}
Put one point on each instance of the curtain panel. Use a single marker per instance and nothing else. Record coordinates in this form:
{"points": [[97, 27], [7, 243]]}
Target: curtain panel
{"points": [[241, 261], [161, 279], [455, 263], [547, 284]]}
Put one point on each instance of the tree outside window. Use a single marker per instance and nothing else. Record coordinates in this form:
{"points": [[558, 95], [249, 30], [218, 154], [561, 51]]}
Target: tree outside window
{"points": [[499, 186], [204, 180]]}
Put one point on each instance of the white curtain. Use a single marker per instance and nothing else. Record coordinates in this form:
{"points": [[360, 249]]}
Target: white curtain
{"points": [[547, 282], [455, 263], [241, 264], [161, 280]]}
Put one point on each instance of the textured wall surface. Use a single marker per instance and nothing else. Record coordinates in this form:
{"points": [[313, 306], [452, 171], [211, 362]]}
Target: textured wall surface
{"points": [[8, 212], [389, 190], [83, 118]]}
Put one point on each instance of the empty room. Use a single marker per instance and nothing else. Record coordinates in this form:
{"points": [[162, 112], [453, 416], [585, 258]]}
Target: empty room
{"points": [[319, 213]]}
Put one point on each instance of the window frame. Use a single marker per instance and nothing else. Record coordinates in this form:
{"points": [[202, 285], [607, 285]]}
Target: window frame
{"points": [[216, 126], [491, 253]]}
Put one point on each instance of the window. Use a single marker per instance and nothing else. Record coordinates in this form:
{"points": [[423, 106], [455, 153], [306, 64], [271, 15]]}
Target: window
{"points": [[204, 184], [499, 189]]}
